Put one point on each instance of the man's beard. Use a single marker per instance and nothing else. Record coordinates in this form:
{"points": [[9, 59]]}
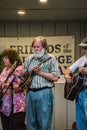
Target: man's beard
{"points": [[39, 54]]}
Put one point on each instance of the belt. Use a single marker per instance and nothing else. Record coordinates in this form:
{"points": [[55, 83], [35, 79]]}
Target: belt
{"points": [[38, 89]]}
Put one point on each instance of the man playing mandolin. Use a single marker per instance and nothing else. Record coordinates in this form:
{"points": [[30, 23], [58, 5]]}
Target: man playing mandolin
{"points": [[81, 100], [39, 98]]}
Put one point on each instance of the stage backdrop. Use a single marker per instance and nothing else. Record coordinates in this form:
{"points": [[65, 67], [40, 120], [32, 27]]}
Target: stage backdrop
{"points": [[60, 46]]}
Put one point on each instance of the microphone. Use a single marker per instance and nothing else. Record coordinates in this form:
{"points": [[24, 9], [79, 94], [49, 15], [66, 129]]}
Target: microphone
{"points": [[20, 77]]}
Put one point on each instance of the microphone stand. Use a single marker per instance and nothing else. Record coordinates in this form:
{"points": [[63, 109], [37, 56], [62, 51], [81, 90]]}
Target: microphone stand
{"points": [[12, 106]]}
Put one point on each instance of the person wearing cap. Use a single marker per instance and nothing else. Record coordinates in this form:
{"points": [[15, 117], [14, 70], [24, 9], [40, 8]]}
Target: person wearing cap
{"points": [[81, 100]]}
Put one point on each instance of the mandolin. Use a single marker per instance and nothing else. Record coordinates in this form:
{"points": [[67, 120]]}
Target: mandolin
{"points": [[26, 80]]}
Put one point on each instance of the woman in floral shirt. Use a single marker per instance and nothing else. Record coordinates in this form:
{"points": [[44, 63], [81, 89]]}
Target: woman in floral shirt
{"points": [[12, 118]]}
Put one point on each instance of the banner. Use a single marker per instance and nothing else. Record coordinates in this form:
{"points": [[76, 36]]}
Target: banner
{"points": [[60, 46]]}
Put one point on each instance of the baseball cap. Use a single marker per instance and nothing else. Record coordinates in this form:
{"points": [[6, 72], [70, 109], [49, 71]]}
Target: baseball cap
{"points": [[83, 42]]}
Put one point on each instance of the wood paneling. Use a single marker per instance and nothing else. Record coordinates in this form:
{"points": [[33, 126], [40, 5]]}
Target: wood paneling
{"points": [[23, 30]]}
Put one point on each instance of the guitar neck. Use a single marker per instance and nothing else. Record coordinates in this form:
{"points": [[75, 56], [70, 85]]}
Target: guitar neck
{"points": [[45, 60], [11, 70]]}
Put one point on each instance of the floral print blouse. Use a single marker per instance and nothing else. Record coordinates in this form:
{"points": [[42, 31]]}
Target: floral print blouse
{"points": [[18, 98]]}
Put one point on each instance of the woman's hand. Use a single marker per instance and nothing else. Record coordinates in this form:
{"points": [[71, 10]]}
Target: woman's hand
{"points": [[5, 85], [17, 89]]}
